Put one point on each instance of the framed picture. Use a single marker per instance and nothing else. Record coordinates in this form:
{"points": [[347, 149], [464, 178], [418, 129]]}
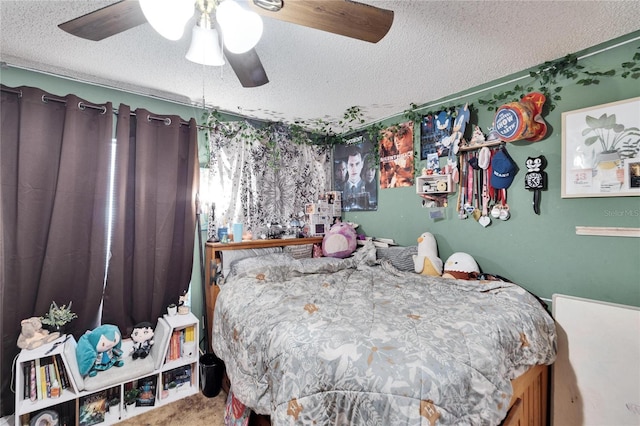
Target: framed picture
{"points": [[601, 150]]}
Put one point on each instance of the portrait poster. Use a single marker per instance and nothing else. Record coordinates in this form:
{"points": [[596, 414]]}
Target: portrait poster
{"points": [[601, 150], [355, 173], [396, 156]]}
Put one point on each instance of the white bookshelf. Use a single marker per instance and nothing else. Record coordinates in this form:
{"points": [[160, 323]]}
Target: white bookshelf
{"points": [[185, 361]]}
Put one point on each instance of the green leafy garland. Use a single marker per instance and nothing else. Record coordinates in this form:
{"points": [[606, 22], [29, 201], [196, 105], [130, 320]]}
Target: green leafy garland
{"points": [[545, 79]]}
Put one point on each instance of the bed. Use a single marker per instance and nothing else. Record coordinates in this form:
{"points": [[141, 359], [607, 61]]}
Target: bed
{"points": [[357, 341]]}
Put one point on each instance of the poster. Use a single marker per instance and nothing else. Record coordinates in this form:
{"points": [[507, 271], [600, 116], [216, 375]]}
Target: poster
{"points": [[396, 156], [355, 173]]}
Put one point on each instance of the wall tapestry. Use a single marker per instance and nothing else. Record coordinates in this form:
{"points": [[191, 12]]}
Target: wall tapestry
{"points": [[260, 177], [355, 173], [396, 156]]}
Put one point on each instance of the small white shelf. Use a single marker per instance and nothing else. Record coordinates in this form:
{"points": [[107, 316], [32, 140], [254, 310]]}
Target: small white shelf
{"points": [[434, 184], [70, 396]]}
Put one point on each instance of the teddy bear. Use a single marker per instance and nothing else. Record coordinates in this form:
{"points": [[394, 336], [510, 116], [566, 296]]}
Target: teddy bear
{"points": [[427, 262], [32, 334]]}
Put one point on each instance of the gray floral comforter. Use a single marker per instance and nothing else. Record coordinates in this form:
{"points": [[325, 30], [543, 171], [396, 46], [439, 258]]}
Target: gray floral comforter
{"points": [[349, 342]]}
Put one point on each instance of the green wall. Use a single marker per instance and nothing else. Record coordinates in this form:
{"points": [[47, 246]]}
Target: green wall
{"points": [[542, 253]]}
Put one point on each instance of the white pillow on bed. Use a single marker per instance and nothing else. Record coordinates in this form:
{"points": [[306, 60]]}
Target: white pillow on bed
{"points": [[274, 266], [230, 256]]}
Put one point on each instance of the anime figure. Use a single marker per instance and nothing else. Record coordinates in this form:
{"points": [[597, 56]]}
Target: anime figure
{"points": [[99, 350], [459, 126], [142, 336], [443, 132]]}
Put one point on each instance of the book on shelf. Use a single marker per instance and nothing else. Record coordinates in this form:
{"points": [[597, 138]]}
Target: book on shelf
{"points": [[42, 378], [92, 409], [33, 388], [26, 374], [61, 372], [176, 379], [38, 379], [147, 394], [179, 339], [61, 414]]}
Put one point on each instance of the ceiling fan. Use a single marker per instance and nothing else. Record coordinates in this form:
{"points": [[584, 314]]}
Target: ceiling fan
{"points": [[343, 17]]}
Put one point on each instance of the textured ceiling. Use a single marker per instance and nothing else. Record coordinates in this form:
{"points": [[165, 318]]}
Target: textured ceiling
{"points": [[434, 48]]}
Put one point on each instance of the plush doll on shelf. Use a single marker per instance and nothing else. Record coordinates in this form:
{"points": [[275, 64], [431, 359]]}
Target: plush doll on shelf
{"points": [[427, 262], [142, 336], [99, 349], [461, 266]]}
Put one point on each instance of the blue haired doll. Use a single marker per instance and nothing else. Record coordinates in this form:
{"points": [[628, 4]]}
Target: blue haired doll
{"points": [[99, 350]]}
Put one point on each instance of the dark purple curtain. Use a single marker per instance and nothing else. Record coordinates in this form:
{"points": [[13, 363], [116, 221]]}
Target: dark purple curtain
{"points": [[54, 159], [154, 231]]}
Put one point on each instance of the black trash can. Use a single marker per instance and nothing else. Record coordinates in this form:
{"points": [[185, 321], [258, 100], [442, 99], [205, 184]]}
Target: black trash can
{"points": [[211, 372]]}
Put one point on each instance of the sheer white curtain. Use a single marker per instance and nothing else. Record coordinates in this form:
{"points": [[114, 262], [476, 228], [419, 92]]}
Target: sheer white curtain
{"points": [[260, 176]]}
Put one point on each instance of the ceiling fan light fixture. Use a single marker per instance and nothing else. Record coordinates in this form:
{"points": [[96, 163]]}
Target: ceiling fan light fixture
{"points": [[241, 29], [168, 17], [205, 47], [270, 5]]}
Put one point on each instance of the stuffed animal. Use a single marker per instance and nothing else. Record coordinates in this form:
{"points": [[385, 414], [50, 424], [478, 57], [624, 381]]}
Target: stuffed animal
{"points": [[99, 349], [142, 336], [340, 241], [427, 262], [461, 266], [32, 334]]}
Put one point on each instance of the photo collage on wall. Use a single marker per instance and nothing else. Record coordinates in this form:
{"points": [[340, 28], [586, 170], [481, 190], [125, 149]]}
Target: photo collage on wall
{"points": [[354, 173], [396, 156]]}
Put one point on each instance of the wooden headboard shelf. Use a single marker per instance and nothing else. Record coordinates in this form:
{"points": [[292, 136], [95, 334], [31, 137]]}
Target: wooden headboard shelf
{"points": [[212, 258]]}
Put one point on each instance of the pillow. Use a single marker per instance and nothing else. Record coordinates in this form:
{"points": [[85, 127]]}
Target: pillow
{"points": [[400, 257], [274, 267], [299, 252], [340, 241], [230, 256]]}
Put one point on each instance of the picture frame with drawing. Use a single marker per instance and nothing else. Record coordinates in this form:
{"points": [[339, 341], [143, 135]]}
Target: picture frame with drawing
{"points": [[601, 150]]}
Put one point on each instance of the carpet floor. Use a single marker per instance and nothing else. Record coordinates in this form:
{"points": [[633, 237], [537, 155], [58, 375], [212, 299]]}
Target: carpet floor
{"points": [[195, 410]]}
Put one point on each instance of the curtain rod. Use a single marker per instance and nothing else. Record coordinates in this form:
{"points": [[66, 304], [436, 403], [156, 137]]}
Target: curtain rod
{"points": [[83, 105]]}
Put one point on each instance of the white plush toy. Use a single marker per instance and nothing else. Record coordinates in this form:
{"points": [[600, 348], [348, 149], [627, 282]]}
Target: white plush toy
{"points": [[427, 262]]}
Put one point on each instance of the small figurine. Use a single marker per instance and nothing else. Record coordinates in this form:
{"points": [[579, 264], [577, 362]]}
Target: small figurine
{"points": [[142, 337], [183, 308], [477, 138]]}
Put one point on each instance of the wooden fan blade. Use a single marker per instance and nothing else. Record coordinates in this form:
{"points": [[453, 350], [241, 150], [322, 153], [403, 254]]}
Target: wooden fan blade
{"points": [[248, 68], [343, 17], [105, 22]]}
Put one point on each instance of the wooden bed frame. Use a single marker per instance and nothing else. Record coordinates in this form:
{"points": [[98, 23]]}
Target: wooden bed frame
{"points": [[528, 405]]}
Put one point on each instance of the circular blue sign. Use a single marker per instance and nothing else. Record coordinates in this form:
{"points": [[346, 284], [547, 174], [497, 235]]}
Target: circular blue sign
{"points": [[507, 123]]}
